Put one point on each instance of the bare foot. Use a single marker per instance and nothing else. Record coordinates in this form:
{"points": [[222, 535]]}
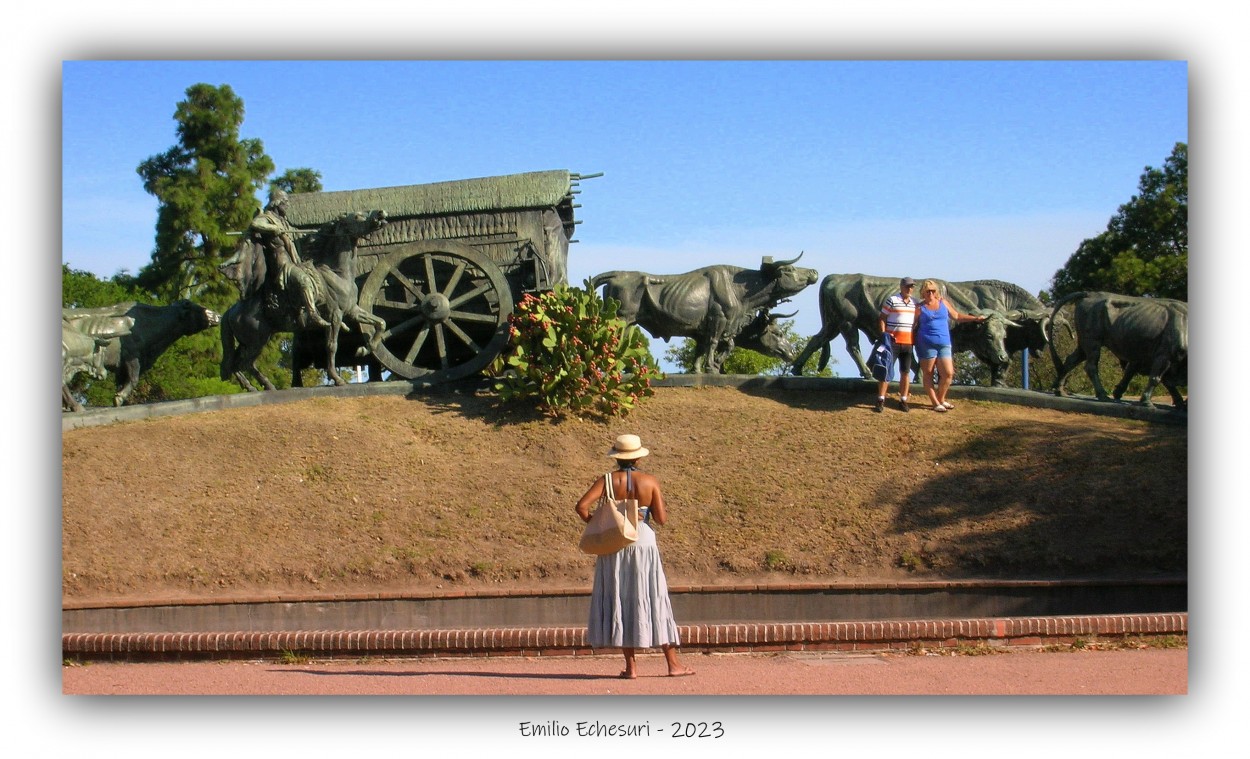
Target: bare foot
{"points": [[683, 672], [627, 675]]}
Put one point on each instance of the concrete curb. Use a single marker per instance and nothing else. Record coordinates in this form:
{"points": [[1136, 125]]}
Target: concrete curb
{"points": [[571, 641], [94, 417], [585, 590]]}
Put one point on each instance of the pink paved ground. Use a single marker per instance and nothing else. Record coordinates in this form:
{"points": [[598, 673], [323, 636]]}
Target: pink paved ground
{"points": [[1127, 672], [757, 725]]}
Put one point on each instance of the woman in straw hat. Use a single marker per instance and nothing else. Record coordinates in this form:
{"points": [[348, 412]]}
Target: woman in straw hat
{"points": [[629, 605]]}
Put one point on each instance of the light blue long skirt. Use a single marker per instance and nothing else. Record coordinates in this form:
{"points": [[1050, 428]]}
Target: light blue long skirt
{"points": [[629, 606]]}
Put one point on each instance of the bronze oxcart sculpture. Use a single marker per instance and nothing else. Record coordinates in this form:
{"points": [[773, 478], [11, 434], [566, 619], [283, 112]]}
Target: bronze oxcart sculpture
{"points": [[434, 285]]}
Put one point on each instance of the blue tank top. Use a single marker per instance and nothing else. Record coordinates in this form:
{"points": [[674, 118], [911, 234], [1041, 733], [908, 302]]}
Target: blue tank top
{"points": [[644, 512], [934, 326]]}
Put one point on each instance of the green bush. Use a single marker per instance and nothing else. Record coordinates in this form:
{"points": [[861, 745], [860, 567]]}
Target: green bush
{"points": [[569, 353]]}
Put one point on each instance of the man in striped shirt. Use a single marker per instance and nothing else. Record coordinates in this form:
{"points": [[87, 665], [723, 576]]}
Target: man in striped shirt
{"points": [[898, 317]]}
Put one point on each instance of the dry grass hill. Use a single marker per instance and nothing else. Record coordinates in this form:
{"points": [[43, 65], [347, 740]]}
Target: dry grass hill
{"points": [[387, 493]]}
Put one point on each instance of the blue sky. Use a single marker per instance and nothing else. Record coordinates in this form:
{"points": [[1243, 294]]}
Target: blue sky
{"points": [[960, 170]]}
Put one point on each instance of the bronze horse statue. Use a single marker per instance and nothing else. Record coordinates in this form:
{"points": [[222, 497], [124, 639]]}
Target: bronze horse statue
{"points": [[263, 309]]}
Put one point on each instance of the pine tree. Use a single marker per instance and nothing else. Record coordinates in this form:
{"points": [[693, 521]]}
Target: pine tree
{"points": [[207, 187]]}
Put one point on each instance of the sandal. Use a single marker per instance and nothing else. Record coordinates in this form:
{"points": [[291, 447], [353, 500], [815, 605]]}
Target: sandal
{"points": [[948, 404], [939, 408]]}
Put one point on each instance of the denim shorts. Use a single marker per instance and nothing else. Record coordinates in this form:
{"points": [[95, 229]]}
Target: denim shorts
{"points": [[927, 352]]}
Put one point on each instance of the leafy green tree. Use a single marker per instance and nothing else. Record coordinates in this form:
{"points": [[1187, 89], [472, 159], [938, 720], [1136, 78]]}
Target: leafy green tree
{"points": [[1145, 248], [970, 371], [297, 180], [207, 186], [1144, 251], [744, 361], [82, 289]]}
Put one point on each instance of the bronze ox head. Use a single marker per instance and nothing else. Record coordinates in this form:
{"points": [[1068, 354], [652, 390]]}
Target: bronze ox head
{"points": [[989, 338], [1033, 331], [764, 335], [788, 278]]}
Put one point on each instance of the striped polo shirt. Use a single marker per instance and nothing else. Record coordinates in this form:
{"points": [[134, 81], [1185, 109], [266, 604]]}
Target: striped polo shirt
{"points": [[900, 318]]}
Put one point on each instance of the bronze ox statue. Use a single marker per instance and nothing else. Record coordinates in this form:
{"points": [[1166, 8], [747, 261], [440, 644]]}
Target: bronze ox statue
{"points": [[1148, 335], [84, 335], [714, 305], [129, 338]]}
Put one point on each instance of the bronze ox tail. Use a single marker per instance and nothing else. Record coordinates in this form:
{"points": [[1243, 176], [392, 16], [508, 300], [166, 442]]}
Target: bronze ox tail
{"points": [[1050, 326], [599, 280]]}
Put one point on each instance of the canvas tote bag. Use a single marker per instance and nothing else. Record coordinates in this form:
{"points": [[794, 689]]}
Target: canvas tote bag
{"points": [[614, 524]]}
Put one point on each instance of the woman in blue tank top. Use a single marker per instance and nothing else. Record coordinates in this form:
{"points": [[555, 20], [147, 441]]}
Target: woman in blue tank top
{"points": [[933, 342]]}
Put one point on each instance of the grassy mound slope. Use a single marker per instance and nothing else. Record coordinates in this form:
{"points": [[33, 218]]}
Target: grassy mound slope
{"points": [[388, 494]]}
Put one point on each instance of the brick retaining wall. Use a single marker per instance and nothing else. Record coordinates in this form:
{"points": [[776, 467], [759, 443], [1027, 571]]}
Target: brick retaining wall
{"points": [[571, 641]]}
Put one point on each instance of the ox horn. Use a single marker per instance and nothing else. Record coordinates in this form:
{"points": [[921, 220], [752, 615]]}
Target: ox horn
{"points": [[769, 263], [990, 313], [1017, 317], [775, 317]]}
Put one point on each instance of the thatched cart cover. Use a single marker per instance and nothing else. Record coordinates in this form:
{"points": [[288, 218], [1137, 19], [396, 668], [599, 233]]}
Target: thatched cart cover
{"points": [[533, 190]]}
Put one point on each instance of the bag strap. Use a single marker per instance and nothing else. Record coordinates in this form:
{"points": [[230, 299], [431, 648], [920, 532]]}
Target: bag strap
{"points": [[629, 484]]}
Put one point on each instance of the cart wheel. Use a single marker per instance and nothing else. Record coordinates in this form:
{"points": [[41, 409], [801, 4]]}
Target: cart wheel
{"points": [[446, 309]]}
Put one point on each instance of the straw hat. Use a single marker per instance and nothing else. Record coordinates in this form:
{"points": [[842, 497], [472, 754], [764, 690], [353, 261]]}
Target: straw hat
{"points": [[628, 447]]}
